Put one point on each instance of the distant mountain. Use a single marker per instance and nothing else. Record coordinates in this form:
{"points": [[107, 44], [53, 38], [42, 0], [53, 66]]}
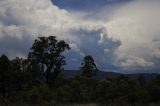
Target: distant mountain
{"points": [[102, 75]]}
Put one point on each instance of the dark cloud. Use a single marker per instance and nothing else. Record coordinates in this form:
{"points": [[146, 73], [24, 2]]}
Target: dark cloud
{"points": [[95, 43], [12, 46]]}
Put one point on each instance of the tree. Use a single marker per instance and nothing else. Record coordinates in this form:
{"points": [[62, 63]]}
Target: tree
{"points": [[47, 51], [88, 67], [18, 68], [25, 71], [5, 75], [142, 81], [154, 89]]}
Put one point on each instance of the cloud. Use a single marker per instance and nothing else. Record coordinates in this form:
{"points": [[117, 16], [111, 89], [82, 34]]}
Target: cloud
{"points": [[15, 47], [119, 36], [22, 21], [136, 25], [93, 42], [132, 62], [156, 53]]}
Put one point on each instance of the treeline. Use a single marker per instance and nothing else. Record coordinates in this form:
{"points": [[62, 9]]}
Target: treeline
{"points": [[37, 81]]}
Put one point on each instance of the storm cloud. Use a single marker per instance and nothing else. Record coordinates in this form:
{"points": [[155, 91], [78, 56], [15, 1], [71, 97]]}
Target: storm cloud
{"points": [[136, 25], [121, 36]]}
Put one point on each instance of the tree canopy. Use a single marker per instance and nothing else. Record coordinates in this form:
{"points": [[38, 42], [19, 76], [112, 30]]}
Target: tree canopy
{"points": [[88, 67], [47, 51]]}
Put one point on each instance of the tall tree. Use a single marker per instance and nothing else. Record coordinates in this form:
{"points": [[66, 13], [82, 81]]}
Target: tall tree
{"points": [[6, 75], [88, 67], [47, 51]]}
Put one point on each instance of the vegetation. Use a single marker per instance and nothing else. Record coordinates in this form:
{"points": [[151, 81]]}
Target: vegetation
{"points": [[46, 52], [88, 67], [37, 81]]}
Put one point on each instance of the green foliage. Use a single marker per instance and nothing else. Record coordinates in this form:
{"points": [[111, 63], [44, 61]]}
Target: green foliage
{"points": [[6, 78], [101, 92], [88, 67], [154, 89], [47, 51], [26, 81], [38, 95]]}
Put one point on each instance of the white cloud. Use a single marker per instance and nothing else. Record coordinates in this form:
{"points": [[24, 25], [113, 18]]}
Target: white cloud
{"points": [[22, 21], [30, 18], [156, 53], [126, 35], [136, 25], [133, 63]]}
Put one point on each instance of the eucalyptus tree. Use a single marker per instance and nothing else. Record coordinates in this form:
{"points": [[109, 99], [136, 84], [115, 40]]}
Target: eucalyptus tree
{"points": [[48, 52]]}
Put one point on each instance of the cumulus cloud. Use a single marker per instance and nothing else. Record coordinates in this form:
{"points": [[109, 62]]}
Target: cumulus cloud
{"points": [[22, 21], [136, 25], [125, 37], [93, 42]]}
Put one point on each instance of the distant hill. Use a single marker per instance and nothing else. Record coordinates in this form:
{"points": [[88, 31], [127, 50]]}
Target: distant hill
{"points": [[145, 75], [102, 75]]}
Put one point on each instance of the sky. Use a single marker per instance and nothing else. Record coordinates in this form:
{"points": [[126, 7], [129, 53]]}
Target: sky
{"points": [[121, 35]]}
